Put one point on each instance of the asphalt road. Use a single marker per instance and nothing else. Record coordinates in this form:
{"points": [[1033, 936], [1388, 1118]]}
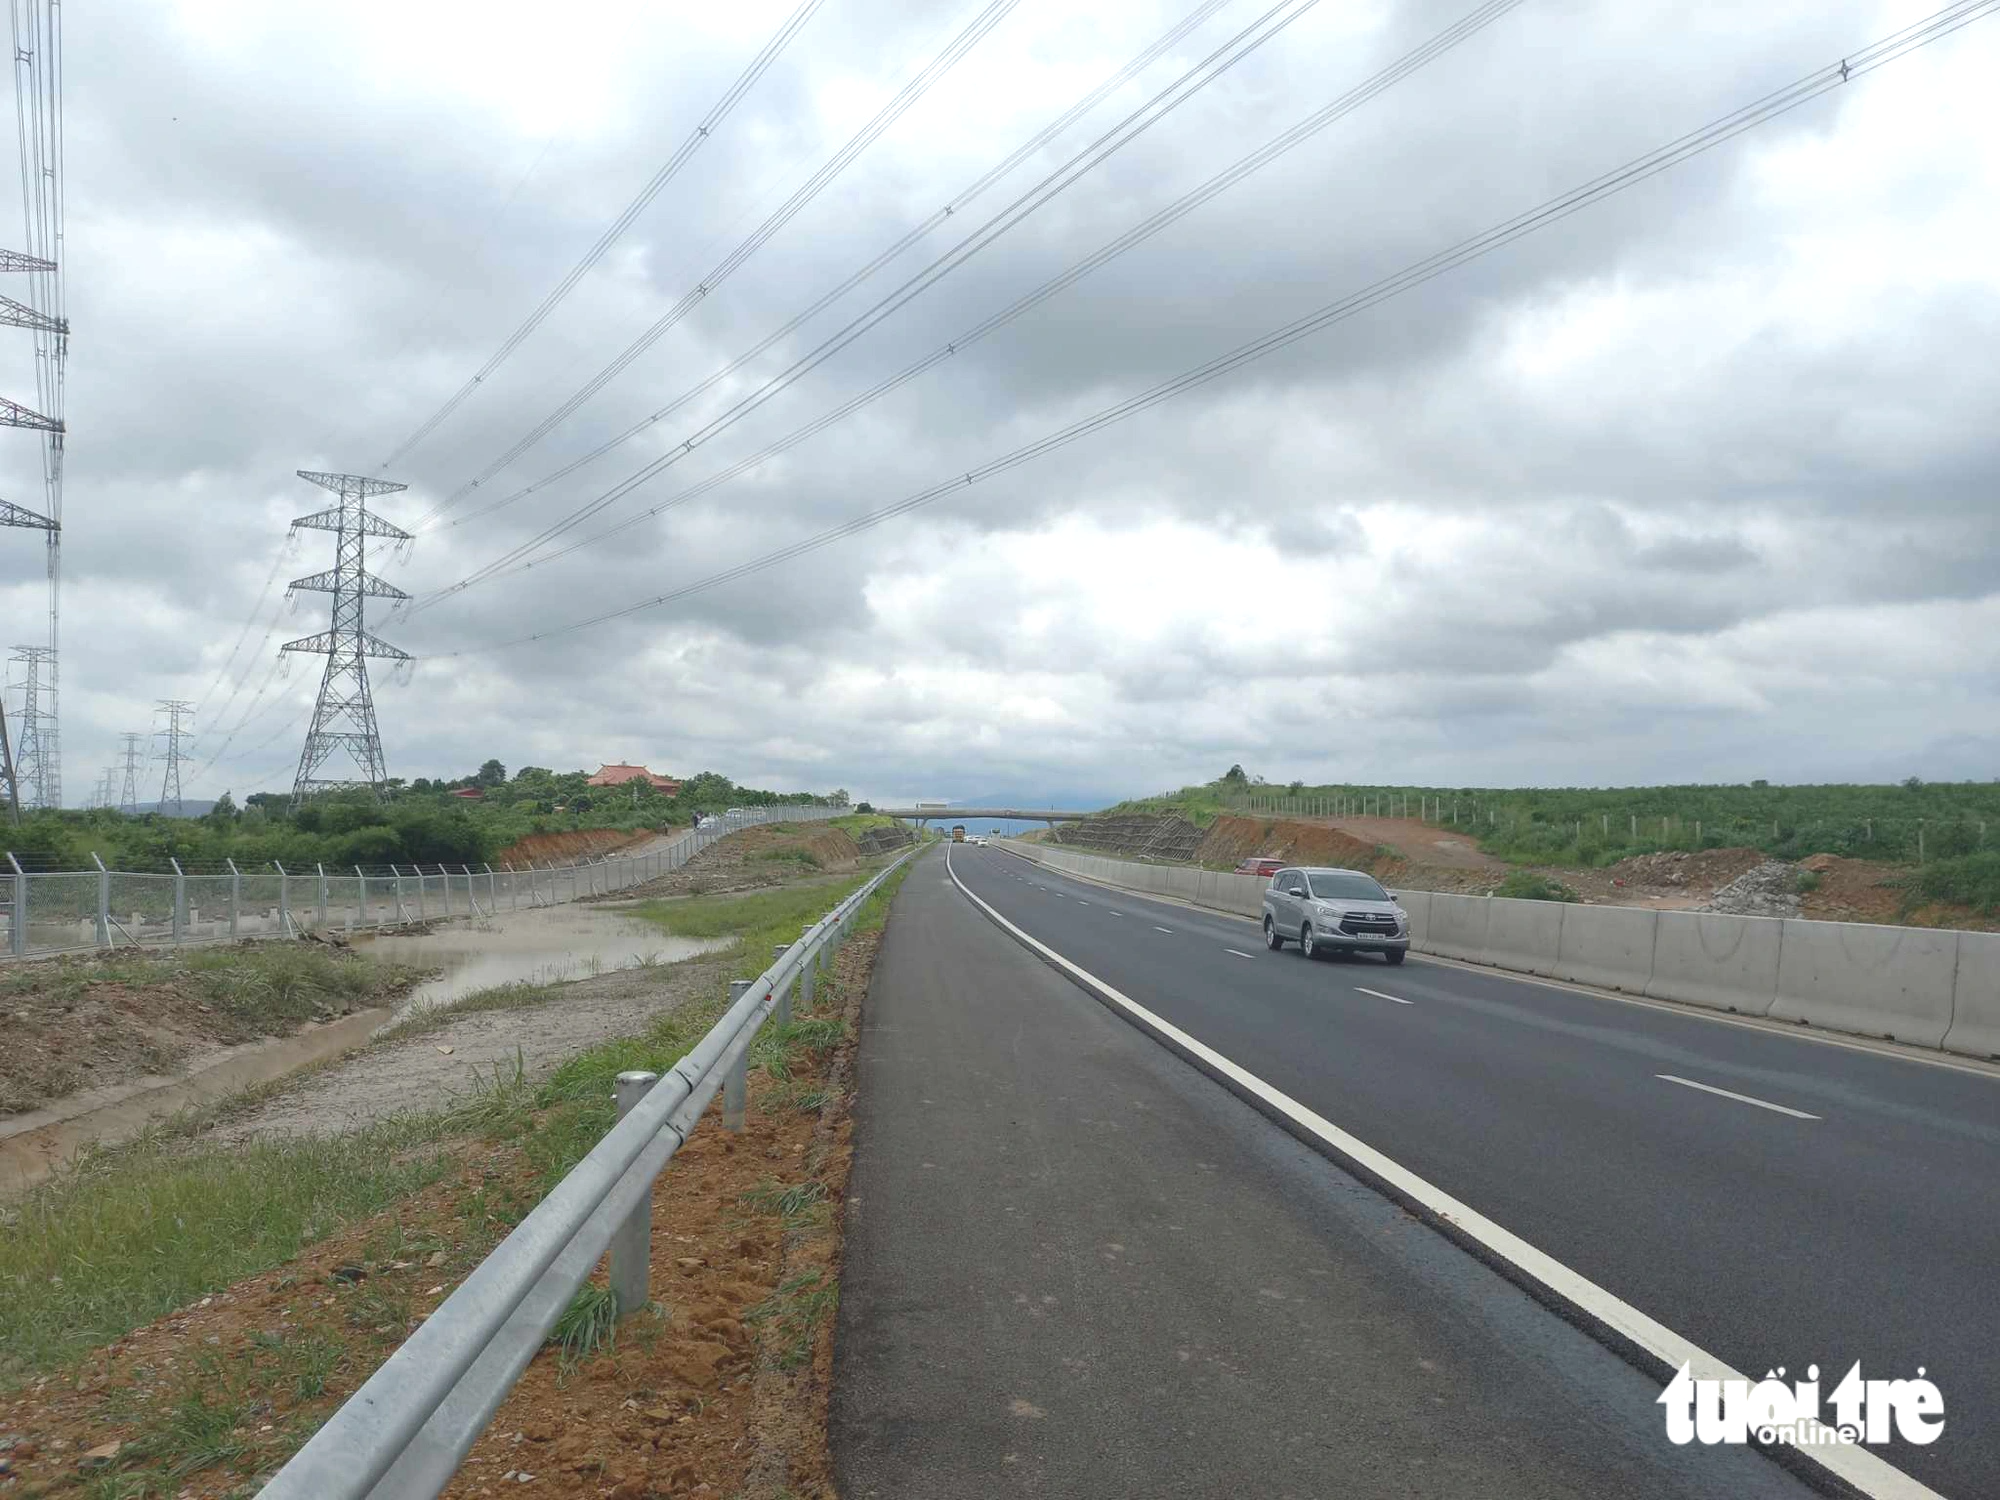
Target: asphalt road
{"points": [[1868, 1232], [1076, 1266]]}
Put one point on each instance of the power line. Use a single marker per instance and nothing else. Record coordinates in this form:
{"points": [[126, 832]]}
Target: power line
{"points": [[957, 204], [1782, 101], [517, 561], [994, 13], [1261, 30], [667, 172]]}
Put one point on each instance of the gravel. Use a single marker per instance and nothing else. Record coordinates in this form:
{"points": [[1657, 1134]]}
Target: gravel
{"points": [[1769, 890]]}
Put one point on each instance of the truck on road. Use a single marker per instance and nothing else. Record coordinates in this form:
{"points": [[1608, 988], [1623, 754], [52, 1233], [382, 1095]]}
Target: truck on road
{"points": [[958, 833]]}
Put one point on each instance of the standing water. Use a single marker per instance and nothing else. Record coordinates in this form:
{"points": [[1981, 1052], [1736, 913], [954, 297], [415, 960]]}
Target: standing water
{"points": [[540, 946]]}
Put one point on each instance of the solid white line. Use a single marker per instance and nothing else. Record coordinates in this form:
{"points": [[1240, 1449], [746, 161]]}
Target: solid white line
{"points": [[1709, 1088], [1865, 1471], [1167, 930], [1239, 952], [1380, 996]]}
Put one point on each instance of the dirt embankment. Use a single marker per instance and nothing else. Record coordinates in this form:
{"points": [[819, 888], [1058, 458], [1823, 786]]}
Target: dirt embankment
{"points": [[566, 848], [764, 855], [1231, 839]]}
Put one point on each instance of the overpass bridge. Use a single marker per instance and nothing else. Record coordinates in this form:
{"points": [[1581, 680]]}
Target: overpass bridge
{"points": [[921, 815]]}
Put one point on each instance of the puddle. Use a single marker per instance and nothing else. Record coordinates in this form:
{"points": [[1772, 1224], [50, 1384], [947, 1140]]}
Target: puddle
{"points": [[540, 946]]}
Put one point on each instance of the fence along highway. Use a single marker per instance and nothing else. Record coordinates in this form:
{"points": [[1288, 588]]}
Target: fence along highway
{"points": [[1771, 1199]]}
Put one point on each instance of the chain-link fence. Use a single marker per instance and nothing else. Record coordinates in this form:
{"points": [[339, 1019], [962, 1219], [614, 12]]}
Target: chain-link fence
{"points": [[49, 912]]}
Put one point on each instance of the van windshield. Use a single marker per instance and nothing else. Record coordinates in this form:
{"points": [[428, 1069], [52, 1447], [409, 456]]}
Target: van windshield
{"points": [[1340, 885]]}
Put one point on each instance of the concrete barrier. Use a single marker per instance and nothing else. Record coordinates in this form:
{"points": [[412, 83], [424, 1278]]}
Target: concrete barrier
{"points": [[1876, 981], [1418, 905], [1458, 926], [1725, 963], [1608, 946], [1523, 935], [1975, 1005]]}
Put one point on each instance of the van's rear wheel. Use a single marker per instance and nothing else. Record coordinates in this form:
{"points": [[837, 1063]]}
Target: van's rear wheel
{"points": [[1271, 938]]}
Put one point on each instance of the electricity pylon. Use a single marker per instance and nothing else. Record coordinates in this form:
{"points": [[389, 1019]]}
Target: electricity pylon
{"points": [[344, 715]]}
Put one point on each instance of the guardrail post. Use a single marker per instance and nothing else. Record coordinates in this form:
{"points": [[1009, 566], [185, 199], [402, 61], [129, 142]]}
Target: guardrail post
{"points": [[180, 901], [632, 1241], [807, 971], [736, 1086], [103, 901], [284, 901], [235, 897], [447, 891], [17, 924], [319, 919], [778, 951]]}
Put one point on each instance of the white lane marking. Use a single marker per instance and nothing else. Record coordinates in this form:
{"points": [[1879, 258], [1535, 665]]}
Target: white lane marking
{"points": [[1865, 1471], [1380, 996], [1115, 913], [1239, 952], [1081, 902], [1167, 930], [1709, 1088]]}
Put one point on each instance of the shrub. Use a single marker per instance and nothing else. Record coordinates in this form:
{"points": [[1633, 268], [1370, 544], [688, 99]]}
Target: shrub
{"points": [[1521, 885]]}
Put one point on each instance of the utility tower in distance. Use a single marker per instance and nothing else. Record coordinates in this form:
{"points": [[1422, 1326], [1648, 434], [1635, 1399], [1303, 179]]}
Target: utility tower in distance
{"points": [[36, 768], [344, 715], [129, 801], [170, 784]]}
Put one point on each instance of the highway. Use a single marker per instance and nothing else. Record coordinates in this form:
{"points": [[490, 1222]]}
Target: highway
{"points": [[1777, 1200]]}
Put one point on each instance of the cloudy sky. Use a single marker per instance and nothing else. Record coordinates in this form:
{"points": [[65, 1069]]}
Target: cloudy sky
{"points": [[1697, 484]]}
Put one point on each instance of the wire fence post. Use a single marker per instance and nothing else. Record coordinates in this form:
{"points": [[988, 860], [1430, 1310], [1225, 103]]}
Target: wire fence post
{"points": [[17, 923], [235, 898], [105, 903], [632, 1241], [360, 898], [447, 891], [284, 901], [180, 901], [492, 892], [736, 1086], [319, 919]]}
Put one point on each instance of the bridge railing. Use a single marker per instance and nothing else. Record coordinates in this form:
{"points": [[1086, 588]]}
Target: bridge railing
{"points": [[405, 1432]]}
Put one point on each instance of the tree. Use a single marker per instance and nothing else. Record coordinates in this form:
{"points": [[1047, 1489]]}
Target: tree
{"points": [[491, 774], [838, 796], [224, 811], [1235, 776], [864, 807]]}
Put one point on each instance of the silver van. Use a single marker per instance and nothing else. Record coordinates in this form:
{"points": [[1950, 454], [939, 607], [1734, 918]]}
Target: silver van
{"points": [[1334, 911]]}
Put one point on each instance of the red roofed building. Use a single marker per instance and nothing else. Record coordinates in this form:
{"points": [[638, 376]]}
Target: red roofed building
{"points": [[620, 775]]}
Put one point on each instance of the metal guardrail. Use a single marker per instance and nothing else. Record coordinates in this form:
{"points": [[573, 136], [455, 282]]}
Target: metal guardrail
{"points": [[44, 913], [405, 1432]]}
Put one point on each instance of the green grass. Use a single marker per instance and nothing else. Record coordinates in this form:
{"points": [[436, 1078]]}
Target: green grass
{"points": [[790, 856], [757, 920], [518, 996], [1970, 880], [793, 1312], [1523, 886], [261, 986], [132, 1234], [588, 1324]]}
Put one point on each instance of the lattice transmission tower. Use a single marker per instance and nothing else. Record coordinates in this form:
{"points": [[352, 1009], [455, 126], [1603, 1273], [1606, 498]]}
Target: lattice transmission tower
{"points": [[128, 801], [177, 729], [37, 35], [344, 715], [34, 729]]}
